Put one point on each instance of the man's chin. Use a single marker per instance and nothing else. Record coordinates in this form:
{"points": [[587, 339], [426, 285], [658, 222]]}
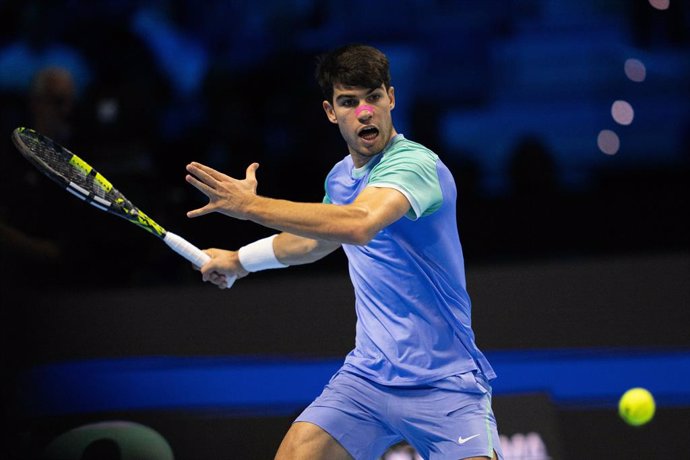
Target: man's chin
{"points": [[373, 147]]}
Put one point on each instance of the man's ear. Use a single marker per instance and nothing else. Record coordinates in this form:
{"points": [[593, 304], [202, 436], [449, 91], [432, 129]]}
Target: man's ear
{"points": [[330, 112], [391, 96]]}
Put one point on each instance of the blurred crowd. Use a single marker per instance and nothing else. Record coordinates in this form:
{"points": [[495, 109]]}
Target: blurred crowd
{"points": [[139, 88]]}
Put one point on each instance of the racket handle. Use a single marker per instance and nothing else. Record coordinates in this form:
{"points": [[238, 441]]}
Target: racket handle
{"points": [[193, 254]]}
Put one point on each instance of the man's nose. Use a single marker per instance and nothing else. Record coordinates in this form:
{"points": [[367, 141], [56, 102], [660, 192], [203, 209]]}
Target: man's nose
{"points": [[364, 112]]}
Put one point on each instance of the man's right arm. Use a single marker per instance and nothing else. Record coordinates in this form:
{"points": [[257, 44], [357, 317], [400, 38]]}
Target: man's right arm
{"points": [[287, 249]]}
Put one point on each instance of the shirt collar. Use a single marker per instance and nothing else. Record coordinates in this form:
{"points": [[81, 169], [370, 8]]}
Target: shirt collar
{"points": [[359, 172]]}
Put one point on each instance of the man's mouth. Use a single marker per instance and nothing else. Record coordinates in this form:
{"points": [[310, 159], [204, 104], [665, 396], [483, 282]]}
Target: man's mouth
{"points": [[368, 133]]}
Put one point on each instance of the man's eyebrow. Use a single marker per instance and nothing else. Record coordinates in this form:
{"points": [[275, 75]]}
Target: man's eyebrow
{"points": [[351, 95], [345, 96]]}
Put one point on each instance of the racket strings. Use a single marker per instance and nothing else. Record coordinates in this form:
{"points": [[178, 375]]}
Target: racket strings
{"points": [[72, 169], [79, 178]]}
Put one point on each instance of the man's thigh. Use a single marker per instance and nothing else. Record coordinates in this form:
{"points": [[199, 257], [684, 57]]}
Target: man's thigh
{"points": [[452, 421], [308, 441], [352, 411]]}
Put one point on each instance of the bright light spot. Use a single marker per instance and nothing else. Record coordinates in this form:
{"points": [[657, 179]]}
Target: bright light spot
{"points": [[660, 4], [622, 112], [635, 70], [608, 142], [107, 110]]}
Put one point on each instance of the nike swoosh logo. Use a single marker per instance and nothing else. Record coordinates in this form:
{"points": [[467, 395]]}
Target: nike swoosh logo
{"points": [[462, 440]]}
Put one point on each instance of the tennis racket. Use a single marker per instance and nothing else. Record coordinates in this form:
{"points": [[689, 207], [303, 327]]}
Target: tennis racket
{"points": [[81, 180]]}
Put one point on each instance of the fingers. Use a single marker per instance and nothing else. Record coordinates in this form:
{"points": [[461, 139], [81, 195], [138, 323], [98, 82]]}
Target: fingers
{"points": [[251, 175], [251, 171], [202, 181], [203, 188], [200, 211], [224, 192], [207, 180], [216, 278], [201, 170], [209, 271]]}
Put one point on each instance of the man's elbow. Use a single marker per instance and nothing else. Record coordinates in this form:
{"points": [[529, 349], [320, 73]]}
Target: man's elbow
{"points": [[360, 228], [360, 235]]}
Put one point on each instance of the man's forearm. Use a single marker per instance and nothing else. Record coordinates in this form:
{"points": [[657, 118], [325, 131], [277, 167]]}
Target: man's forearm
{"points": [[338, 224], [292, 249]]}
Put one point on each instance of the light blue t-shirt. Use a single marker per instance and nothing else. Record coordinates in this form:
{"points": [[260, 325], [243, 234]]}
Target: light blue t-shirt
{"points": [[413, 310]]}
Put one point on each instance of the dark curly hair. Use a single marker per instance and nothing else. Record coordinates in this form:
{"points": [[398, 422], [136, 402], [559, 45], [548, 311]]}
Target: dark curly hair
{"points": [[352, 65]]}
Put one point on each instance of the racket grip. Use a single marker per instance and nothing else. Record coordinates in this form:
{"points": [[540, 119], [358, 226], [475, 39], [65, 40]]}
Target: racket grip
{"points": [[190, 252]]}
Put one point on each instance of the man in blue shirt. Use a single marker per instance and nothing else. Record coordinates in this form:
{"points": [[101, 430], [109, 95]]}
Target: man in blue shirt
{"points": [[415, 373]]}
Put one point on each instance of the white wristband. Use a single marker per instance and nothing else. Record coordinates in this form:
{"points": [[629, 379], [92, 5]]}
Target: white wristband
{"points": [[259, 255]]}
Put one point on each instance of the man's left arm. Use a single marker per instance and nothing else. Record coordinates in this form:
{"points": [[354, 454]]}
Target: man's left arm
{"points": [[354, 223]]}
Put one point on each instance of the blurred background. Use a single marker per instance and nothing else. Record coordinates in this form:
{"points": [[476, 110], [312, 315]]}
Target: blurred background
{"points": [[566, 124]]}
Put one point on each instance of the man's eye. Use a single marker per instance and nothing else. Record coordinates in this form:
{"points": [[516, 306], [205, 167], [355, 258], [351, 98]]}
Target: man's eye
{"points": [[374, 97], [348, 103]]}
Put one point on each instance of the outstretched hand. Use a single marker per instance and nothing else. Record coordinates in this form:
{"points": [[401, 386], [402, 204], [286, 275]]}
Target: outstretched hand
{"points": [[226, 195]]}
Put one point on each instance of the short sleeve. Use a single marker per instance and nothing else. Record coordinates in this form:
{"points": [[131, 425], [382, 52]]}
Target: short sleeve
{"points": [[326, 197], [413, 173]]}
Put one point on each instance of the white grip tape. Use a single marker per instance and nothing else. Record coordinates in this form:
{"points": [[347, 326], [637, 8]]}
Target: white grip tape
{"points": [[190, 252]]}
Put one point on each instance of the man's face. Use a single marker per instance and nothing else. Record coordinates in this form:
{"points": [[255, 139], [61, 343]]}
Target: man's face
{"points": [[363, 116], [52, 108]]}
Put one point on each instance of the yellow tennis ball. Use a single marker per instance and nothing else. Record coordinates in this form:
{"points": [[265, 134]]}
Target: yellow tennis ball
{"points": [[636, 407]]}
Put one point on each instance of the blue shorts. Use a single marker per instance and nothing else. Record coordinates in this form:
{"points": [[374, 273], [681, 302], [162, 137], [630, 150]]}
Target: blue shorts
{"points": [[449, 419]]}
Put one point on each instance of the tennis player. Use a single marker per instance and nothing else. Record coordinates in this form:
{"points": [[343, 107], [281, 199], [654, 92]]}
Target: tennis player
{"points": [[415, 373]]}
